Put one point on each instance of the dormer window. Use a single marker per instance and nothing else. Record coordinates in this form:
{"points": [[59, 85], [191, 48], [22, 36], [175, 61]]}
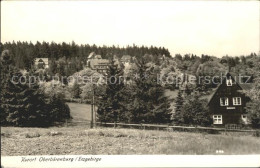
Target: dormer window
{"points": [[223, 101], [229, 82]]}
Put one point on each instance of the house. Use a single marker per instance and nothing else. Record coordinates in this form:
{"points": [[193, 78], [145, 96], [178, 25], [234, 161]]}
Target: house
{"points": [[95, 62], [227, 104], [99, 65], [41, 63]]}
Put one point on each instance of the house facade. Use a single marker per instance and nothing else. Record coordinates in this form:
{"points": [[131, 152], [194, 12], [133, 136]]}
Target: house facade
{"points": [[95, 62], [99, 65], [41, 63], [227, 105]]}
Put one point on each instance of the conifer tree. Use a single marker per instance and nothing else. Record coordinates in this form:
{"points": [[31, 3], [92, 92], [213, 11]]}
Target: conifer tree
{"points": [[26, 105], [149, 105], [111, 105], [195, 111], [177, 116], [161, 106], [141, 104]]}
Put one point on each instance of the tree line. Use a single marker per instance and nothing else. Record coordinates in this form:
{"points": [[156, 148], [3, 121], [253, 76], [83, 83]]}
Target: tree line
{"points": [[144, 100], [25, 52]]}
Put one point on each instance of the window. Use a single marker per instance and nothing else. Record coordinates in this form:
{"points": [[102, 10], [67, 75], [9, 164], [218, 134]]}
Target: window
{"points": [[217, 119], [229, 82], [236, 100], [224, 101]]}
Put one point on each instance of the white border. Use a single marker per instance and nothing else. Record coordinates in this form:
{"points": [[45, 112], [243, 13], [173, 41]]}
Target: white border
{"points": [[136, 161]]}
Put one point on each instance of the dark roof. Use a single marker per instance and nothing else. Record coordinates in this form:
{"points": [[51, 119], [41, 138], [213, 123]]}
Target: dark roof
{"points": [[244, 86], [209, 96]]}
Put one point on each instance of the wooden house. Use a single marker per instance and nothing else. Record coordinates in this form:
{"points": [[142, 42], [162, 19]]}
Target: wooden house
{"points": [[227, 104]]}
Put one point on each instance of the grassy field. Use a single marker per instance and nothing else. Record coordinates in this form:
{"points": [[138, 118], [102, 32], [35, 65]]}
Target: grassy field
{"points": [[80, 112], [84, 141]]}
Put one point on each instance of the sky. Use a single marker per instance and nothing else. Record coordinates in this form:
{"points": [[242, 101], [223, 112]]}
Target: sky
{"points": [[215, 28]]}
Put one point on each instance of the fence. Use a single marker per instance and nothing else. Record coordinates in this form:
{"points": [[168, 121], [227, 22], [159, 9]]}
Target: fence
{"points": [[157, 127], [169, 127]]}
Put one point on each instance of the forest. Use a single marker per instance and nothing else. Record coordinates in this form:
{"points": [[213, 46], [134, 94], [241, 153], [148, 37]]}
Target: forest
{"points": [[143, 100], [25, 52]]}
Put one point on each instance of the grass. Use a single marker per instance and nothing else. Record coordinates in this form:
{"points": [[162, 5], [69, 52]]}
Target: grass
{"points": [[84, 141], [80, 112]]}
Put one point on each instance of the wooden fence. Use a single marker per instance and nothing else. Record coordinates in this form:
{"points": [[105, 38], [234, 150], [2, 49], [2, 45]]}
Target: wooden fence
{"points": [[169, 127], [157, 127]]}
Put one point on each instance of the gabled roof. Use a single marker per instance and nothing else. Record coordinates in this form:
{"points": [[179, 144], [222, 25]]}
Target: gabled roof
{"points": [[45, 60], [91, 55], [243, 86]]}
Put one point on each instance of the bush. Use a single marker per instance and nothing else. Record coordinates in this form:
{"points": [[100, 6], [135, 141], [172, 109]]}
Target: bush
{"points": [[192, 112]]}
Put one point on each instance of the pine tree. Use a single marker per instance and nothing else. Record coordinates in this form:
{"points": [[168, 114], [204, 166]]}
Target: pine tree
{"points": [[149, 105], [141, 104], [21, 105], [195, 111], [6, 73], [177, 115], [25, 105], [111, 106], [161, 111]]}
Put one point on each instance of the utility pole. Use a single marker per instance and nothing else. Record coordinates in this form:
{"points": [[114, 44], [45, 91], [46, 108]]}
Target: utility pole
{"points": [[92, 107]]}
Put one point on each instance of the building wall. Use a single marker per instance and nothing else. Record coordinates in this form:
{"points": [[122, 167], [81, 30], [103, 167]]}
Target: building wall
{"points": [[231, 114]]}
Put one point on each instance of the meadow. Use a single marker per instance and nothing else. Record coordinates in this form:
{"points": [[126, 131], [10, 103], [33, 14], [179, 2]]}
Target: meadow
{"points": [[81, 140], [84, 141]]}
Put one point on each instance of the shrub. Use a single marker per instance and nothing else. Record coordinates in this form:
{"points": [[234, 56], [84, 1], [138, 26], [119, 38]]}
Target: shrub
{"points": [[192, 112]]}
